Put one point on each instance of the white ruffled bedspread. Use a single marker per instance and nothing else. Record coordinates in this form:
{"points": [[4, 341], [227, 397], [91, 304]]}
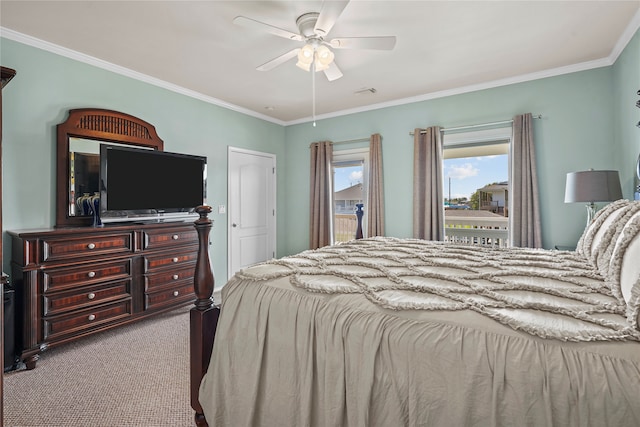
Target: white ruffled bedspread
{"points": [[455, 336], [551, 294]]}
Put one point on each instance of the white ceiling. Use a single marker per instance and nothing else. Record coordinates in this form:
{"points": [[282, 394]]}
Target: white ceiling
{"points": [[443, 47]]}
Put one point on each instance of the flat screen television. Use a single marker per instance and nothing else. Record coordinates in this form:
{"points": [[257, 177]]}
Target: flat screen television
{"points": [[138, 184]]}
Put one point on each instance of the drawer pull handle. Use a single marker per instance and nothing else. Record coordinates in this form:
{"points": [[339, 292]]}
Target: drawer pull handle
{"points": [[91, 274], [175, 277], [91, 295], [91, 246], [92, 317], [176, 293], [175, 259], [175, 237]]}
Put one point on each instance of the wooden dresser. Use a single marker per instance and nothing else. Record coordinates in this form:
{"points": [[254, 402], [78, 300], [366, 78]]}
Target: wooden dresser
{"points": [[72, 282]]}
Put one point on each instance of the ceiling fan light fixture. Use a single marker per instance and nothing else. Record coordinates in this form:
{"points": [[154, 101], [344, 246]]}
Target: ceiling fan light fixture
{"points": [[321, 57]]}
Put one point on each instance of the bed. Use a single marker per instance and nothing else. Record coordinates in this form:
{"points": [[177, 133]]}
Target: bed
{"points": [[405, 332]]}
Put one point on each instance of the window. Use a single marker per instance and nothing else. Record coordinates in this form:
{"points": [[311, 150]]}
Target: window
{"points": [[476, 187], [350, 172]]}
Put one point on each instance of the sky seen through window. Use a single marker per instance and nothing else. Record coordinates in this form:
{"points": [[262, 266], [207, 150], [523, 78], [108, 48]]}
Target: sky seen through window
{"points": [[467, 174]]}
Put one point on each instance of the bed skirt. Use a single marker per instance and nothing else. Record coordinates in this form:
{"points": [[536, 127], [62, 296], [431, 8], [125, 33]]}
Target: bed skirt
{"points": [[286, 357]]}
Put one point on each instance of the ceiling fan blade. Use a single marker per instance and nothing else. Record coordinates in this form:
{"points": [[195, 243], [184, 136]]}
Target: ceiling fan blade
{"points": [[333, 72], [252, 23], [377, 43], [329, 14], [279, 60]]}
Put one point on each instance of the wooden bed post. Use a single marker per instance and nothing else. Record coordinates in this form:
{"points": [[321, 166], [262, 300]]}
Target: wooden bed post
{"points": [[204, 315]]}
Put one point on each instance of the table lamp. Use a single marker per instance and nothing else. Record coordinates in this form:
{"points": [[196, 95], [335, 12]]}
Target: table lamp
{"points": [[592, 186]]}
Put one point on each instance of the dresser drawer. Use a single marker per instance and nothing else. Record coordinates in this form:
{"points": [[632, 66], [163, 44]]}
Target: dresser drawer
{"points": [[181, 293], [88, 296], [170, 259], [157, 239], [65, 278], [157, 280], [83, 320], [69, 247]]}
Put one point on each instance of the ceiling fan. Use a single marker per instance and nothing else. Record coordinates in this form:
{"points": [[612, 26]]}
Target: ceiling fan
{"points": [[313, 27]]}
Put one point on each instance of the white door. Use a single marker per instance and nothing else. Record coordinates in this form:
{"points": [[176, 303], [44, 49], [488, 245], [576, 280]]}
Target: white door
{"points": [[252, 203]]}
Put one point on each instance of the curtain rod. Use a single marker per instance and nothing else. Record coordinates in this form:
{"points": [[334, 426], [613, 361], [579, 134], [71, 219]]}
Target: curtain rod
{"points": [[352, 140], [503, 122], [348, 140]]}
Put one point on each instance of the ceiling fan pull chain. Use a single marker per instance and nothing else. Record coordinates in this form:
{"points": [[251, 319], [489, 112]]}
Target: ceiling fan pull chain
{"points": [[313, 92]]}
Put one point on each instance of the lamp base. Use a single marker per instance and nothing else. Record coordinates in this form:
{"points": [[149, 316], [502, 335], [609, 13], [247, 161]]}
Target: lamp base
{"points": [[591, 212]]}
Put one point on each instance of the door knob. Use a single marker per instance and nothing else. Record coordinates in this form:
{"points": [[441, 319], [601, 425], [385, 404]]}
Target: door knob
{"points": [[234, 225]]}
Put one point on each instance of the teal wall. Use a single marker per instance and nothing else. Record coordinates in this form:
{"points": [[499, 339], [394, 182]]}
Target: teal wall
{"points": [[575, 133], [588, 122], [626, 84], [47, 86]]}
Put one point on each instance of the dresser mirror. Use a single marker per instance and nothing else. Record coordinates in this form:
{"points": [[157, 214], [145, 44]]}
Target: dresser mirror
{"points": [[84, 171], [78, 155]]}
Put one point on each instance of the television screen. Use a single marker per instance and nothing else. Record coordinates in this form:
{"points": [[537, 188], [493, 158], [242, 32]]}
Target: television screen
{"points": [[136, 182]]}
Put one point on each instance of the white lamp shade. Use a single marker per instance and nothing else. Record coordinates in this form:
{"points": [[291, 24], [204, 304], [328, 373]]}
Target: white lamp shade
{"points": [[305, 57], [306, 54], [324, 55], [592, 186]]}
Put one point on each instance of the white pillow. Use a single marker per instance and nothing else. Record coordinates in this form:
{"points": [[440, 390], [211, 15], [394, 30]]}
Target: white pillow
{"points": [[624, 270], [584, 244], [602, 255], [602, 228]]}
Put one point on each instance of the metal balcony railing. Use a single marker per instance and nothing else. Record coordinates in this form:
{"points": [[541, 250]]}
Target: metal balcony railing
{"points": [[460, 230]]}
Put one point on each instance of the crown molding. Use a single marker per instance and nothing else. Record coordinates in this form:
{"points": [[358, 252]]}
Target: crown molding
{"points": [[96, 62], [622, 42], [598, 63]]}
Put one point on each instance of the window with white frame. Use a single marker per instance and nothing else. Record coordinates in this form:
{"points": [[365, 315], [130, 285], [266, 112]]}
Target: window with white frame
{"points": [[350, 176], [476, 186]]}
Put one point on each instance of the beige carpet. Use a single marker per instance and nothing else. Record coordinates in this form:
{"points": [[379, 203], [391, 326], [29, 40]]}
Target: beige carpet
{"points": [[136, 375]]}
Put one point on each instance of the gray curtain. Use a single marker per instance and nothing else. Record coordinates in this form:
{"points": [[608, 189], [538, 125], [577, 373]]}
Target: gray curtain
{"points": [[320, 194], [524, 216], [375, 198], [428, 198]]}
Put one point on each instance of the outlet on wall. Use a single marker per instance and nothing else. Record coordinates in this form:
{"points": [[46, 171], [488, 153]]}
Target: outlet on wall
{"points": [[222, 209]]}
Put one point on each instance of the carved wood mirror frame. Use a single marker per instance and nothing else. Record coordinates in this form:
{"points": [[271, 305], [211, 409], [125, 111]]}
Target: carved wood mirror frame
{"points": [[100, 125]]}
